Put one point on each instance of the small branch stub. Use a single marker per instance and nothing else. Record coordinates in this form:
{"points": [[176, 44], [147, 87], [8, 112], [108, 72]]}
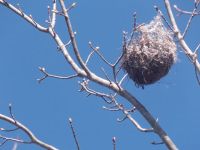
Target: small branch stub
{"points": [[150, 53]]}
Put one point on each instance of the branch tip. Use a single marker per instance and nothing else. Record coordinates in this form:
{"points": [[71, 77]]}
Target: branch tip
{"points": [[156, 7], [175, 6], [74, 4], [41, 69], [70, 120], [10, 105], [114, 139]]}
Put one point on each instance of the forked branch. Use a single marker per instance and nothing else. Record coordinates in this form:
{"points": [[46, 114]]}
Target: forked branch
{"points": [[18, 125], [191, 55], [46, 75]]}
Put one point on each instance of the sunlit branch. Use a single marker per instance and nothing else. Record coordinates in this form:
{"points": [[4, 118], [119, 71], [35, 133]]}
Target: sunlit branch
{"points": [[73, 39], [179, 36], [53, 18], [46, 75], [24, 16], [190, 20], [128, 116], [116, 107], [163, 17], [15, 146], [84, 72], [185, 12], [106, 75], [123, 78], [7, 139], [32, 137], [96, 49]]}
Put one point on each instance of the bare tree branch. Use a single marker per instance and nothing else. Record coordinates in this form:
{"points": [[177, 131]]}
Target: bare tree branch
{"points": [[183, 44], [123, 78], [190, 20], [86, 73], [46, 75], [185, 12], [72, 37], [116, 107], [7, 139], [24, 16], [96, 49], [32, 137]]}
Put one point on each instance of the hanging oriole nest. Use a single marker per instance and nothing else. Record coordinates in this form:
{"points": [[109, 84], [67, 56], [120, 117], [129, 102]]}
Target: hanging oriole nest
{"points": [[149, 54]]}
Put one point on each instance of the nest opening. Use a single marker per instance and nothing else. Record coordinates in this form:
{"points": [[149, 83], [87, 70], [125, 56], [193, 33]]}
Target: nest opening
{"points": [[149, 54]]}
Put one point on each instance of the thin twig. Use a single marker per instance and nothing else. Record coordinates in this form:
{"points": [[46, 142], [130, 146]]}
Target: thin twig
{"points": [[197, 48], [49, 14], [134, 25], [134, 21], [7, 139], [188, 23], [11, 113], [46, 74], [33, 138], [116, 106], [9, 130], [115, 73], [12, 116], [128, 116], [65, 45], [97, 50], [85, 87], [182, 42], [15, 146], [29, 19], [111, 109], [114, 143], [163, 17], [184, 11], [197, 74], [113, 66], [33, 19], [122, 119], [74, 133], [73, 39], [123, 78], [52, 15], [157, 143], [73, 5], [106, 75], [118, 60], [89, 56]]}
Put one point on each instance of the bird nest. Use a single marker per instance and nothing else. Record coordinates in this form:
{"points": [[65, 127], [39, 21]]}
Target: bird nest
{"points": [[149, 54]]}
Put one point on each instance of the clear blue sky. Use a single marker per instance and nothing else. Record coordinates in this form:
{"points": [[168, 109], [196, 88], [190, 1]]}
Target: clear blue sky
{"points": [[45, 107]]}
